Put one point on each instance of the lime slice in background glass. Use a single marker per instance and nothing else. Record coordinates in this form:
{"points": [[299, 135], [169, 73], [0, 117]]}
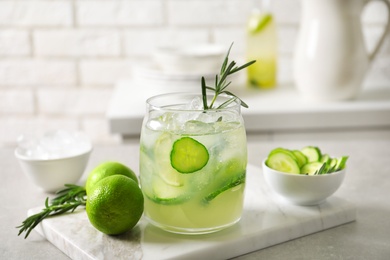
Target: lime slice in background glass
{"points": [[258, 22], [188, 155]]}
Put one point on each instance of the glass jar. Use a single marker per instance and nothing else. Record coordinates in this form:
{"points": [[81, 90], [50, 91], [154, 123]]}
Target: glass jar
{"points": [[192, 163]]}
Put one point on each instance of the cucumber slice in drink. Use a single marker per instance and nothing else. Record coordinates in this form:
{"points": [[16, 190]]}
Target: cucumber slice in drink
{"points": [[312, 153], [188, 155], [283, 161], [311, 168], [233, 183], [166, 194], [162, 149]]}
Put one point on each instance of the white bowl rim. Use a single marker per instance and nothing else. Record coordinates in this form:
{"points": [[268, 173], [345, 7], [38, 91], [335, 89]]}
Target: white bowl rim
{"points": [[28, 159], [302, 175], [193, 51]]}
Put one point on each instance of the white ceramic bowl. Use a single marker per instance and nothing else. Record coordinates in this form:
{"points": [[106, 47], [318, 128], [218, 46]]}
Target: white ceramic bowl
{"points": [[192, 59], [52, 174], [306, 190]]}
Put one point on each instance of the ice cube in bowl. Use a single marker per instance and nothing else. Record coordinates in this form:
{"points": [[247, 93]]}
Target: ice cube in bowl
{"points": [[51, 169]]}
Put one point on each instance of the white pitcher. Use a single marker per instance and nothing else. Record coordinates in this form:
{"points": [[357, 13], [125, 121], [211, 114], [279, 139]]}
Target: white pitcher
{"points": [[330, 59]]}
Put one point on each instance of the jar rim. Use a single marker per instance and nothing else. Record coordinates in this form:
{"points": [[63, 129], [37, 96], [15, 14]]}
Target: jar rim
{"points": [[167, 101]]}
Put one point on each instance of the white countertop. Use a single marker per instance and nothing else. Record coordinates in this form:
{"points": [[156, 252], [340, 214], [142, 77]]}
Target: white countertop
{"points": [[366, 185], [269, 110]]}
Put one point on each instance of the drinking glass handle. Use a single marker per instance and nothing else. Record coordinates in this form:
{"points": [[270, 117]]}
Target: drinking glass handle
{"points": [[373, 54]]}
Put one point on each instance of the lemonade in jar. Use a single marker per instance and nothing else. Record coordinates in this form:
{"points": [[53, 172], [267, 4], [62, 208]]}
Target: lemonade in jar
{"points": [[193, 158]]}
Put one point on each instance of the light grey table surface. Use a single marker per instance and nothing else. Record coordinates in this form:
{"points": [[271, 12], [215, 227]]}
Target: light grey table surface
{"points": [[367, 185]]}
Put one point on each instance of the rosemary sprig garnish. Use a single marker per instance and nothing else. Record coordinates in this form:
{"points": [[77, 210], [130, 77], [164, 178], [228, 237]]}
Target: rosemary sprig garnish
{"points": [[67, 200], [221, 83]]}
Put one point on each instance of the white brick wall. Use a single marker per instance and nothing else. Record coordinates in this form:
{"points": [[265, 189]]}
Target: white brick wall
{"points": [[70, 43], [96, 72], [14, 101], [32, 72], [207, 13], [59, 59], [120, 13], [14, 42], [35, 13], [72, 101]]}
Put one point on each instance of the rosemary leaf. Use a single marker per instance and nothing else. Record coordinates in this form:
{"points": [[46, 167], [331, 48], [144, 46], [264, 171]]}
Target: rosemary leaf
{"points": [[226, 60], [67, 200], [231, 94], [242, 67], [221, 83]]}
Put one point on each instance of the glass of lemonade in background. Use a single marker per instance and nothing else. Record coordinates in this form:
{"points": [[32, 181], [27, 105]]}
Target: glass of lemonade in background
{"points": [[192, 163], [261, 45]]}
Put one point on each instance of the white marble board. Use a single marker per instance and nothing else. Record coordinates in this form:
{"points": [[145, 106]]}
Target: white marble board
{"points": [[266, 221]]}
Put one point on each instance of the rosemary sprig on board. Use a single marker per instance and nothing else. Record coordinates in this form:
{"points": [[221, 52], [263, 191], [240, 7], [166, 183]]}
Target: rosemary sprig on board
{"points": [[67, 200]]}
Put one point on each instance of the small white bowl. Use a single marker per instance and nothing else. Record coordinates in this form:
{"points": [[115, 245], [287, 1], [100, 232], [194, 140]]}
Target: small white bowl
{"points": [[305, 190], [52, 174]]}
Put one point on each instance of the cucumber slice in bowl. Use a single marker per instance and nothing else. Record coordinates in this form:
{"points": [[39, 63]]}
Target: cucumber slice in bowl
{"points": [[325, 158], [311, 168], [301, 158], [341, 162], [312, 153], [284, 150], [282, 160], [309, 160]]}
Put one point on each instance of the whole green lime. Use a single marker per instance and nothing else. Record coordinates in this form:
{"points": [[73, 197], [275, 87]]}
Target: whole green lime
{"points": [[115, 204], [106, 169]]}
